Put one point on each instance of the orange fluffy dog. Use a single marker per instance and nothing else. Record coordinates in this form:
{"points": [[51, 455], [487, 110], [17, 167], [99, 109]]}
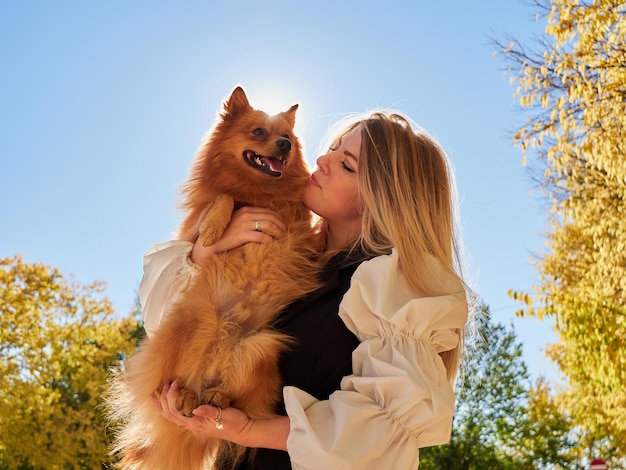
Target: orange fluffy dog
{"points": [[217, 339]]}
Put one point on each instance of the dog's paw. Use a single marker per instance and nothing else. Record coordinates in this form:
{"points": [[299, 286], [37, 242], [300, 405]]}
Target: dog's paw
{"points": [[186, 402], [209, 232], [216, 219], [215, 398]]}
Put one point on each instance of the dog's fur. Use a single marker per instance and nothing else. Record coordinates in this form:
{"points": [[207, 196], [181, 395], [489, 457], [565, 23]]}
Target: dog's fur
{"points": [[217, 339]]}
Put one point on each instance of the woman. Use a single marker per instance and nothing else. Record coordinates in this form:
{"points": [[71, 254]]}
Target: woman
{"points": [[368, 387]]}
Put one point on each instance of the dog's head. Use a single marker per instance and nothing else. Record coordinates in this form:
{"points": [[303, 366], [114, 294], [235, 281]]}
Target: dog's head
{"points": [[251, 156]]}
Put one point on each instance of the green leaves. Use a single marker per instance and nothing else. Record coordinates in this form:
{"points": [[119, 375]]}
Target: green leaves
{"points": [[500, 420]]}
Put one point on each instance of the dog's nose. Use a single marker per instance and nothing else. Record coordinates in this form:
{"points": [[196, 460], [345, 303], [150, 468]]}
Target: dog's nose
{"points": [[283, 145]]}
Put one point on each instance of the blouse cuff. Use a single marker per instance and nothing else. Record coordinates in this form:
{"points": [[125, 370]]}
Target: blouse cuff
{"points": [[326, 434]]}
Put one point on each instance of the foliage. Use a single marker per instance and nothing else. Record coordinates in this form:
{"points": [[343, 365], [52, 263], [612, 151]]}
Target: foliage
{"points": [[548, 436], [574, 88], [500, 422], [57, 342]]}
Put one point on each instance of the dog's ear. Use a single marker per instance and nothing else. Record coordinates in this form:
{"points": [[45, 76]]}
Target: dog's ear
{"points": [[236, 103], [290, 115]]}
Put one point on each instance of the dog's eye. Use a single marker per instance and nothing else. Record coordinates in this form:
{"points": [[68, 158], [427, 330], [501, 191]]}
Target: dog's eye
{"points": [[259, 131]]}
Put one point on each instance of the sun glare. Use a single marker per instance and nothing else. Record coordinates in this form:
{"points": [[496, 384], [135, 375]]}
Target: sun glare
{"points": [[271, 99]]}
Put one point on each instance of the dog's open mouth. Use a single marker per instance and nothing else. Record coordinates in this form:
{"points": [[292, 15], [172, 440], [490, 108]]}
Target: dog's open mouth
{"points": [[273, 166]]}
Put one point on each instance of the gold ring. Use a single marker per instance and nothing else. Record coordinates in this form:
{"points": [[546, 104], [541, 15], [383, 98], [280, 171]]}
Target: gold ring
{"points": [[218, 423]]}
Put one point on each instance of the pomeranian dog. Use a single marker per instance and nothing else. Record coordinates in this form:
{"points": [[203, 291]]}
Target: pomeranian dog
{"points": [[217, 339]]}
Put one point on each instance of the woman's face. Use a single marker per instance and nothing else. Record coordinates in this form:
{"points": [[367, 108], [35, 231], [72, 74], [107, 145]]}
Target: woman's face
{"points": [[332, 189]]}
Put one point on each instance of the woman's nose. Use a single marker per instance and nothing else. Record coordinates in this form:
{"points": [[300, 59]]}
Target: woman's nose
{"points": [[322, 162]]}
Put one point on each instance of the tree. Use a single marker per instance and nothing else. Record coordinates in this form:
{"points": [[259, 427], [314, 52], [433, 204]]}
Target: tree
{"points": [[57, 342], [574, 88], [494, 426], [547, 439]]}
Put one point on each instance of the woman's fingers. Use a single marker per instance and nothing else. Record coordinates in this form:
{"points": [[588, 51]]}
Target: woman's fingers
{"points": [[207, 418], [228, 423], [168, 404], [267, 227], [262, 219], [170, 397], [250, 224], [247, 225], [207, 411]]}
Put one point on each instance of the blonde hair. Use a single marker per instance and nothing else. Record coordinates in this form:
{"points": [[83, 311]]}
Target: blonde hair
{"points": [[408, 197]]}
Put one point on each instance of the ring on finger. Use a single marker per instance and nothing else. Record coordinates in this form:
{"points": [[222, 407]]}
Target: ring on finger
{"points": [[218, 423], [257, 226]]}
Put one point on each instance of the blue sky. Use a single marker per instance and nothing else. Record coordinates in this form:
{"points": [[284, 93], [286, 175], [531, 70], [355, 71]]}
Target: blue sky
{"points": [[103, 104]]}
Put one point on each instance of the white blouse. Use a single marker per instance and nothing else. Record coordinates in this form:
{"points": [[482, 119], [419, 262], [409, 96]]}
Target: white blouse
{"points": [[398, 398]]}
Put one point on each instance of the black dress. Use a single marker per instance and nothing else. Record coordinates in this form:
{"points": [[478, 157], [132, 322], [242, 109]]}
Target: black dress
{"points": [[322, 353]]}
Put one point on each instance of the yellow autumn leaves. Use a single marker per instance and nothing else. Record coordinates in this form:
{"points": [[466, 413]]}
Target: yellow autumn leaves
{"points": [[575, 91], [57, 342]]}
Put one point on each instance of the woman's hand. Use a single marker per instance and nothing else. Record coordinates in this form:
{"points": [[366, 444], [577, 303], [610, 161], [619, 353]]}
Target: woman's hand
{"points": [[248, 224], [229, 424]]}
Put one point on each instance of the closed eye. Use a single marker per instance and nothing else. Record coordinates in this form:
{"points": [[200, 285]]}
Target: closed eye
{"points": [[346, 167]]}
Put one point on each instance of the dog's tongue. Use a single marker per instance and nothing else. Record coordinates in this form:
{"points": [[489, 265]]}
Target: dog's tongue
{"points": [[275, 165]]}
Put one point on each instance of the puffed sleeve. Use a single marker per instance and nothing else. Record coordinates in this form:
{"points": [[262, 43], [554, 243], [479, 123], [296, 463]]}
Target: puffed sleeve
{"points": [[167, 270], [398, 398]]}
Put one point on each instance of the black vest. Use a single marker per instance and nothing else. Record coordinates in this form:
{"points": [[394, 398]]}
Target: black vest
{"points": [[322, 353]]}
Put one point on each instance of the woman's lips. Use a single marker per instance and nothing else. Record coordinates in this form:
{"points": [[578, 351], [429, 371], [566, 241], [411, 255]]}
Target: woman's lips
{"points": [[313, 180]]}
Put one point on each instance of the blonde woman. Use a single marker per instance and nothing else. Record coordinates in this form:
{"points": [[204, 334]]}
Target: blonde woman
{"points": [[370, 378]]}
